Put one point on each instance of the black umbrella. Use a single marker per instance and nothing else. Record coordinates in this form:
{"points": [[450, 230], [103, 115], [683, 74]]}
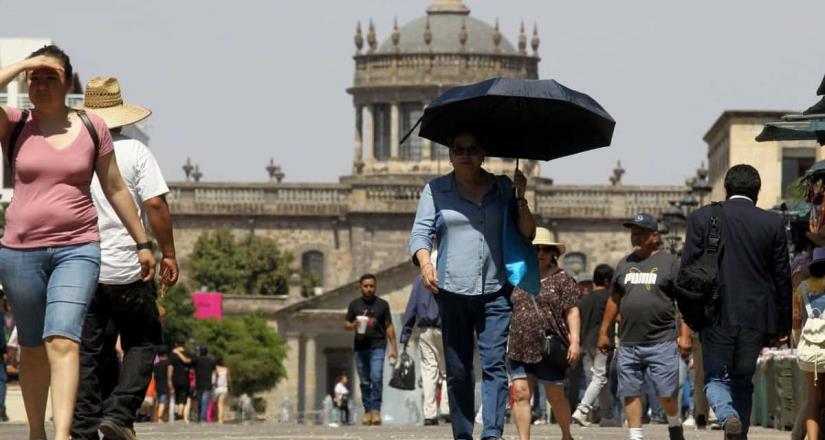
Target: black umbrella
{"points": [[521, 119]]}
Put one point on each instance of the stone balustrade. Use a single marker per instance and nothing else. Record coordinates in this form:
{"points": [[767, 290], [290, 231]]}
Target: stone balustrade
{"points": [[337, 199]]}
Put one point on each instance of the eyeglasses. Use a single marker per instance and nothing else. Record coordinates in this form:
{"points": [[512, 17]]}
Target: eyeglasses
{"points": [[469, 151], [540, 248]]}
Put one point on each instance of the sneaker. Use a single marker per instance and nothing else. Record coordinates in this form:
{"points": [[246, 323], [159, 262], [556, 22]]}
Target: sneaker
{"points": [[609, 422], [689, 422], [732, 427], [580, 418], [114, 431], [676, 433], [333, 425], [376, 417], [366, 420]]}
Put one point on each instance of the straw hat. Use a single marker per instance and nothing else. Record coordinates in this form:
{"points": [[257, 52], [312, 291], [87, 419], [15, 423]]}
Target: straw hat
{"points": [[545, 238], [103, 99]]}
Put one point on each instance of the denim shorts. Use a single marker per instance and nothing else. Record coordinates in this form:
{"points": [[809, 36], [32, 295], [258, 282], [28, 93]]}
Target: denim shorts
{"points": [[50, 289], [543, 371], [660, 362]]}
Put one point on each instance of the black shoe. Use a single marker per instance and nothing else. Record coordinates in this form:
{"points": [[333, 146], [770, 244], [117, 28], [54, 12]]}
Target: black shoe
{"points": [[732, 427], [4, 417], [676, 433], [430, 422], [446, 419], [701, 421], [816, 109], [114, 431]]}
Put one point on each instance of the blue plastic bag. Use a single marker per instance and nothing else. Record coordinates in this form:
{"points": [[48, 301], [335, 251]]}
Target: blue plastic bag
{"points": [[520, 259]]}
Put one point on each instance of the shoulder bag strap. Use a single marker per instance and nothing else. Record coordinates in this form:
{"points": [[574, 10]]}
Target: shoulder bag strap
{"points": [[808, 307], [15, 134], [92, 133], [714, 239], [536, 305]]}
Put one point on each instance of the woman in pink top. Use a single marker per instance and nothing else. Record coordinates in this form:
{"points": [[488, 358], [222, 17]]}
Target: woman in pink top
{"points": [[50, 258]]}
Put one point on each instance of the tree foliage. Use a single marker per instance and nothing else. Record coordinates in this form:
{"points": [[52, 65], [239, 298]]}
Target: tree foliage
{"points": [[251, 265], [179, 321]]}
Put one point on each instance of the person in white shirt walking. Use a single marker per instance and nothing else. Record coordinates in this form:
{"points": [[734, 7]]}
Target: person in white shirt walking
{"points": [[123, 302]]}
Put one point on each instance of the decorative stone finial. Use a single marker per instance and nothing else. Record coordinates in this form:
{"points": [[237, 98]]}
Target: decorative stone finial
{"points": [[522, 40], [618, 172], [448, 7], [702, 172], [187, 168], [396, 34], [428, 34], [497, 37], [462, 35], [371, 40], [197, 174], [359, 38], [534, 42], [274, 171]]}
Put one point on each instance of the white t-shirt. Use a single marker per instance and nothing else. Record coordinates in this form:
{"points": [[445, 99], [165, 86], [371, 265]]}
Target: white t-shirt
{"points": [[141, 173], [341, 390]]}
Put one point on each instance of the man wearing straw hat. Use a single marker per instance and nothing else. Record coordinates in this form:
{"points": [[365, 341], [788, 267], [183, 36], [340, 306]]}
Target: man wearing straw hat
{"points": [[123, 303]]}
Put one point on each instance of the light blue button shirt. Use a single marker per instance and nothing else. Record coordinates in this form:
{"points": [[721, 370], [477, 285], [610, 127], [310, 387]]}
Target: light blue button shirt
{"points": [[468, 234]]}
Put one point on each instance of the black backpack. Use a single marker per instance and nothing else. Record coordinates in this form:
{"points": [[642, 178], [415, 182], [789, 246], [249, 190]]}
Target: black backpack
{"points": [[15, 133], [697, 286]]}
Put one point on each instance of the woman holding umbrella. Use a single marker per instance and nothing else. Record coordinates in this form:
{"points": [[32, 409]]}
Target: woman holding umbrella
{"points": [[463, 212]]}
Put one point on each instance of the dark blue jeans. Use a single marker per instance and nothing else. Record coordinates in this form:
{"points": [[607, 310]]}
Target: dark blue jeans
{"points": [[463, 318], [3, 377], [729, 355], [370, 365]]}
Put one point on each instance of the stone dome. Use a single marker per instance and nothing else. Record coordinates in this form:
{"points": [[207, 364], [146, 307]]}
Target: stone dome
{"points": [[445, 29]]}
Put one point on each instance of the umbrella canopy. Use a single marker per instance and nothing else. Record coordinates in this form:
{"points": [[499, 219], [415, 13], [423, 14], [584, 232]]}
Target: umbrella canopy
{"points": [[795, 128], [520, 119]]}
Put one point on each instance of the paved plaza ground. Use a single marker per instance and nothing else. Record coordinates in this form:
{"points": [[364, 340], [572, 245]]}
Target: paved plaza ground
{"points": [[265, 431]]}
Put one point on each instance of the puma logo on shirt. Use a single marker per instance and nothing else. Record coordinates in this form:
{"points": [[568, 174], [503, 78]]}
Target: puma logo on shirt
{"points": [[636, 278]]}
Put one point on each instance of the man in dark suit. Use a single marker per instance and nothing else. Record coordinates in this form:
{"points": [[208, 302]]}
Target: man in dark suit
{"points": [[755, 298]]}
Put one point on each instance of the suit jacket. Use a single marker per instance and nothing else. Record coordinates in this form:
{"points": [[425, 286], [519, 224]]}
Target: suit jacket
{"points": [[754, 271]]}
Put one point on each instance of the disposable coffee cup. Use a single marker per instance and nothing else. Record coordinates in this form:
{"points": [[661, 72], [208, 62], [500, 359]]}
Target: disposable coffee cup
{"points": [[362, 324]]}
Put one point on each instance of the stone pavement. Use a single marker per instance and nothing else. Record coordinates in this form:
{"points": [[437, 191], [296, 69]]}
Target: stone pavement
{"points": [[267, 431]]}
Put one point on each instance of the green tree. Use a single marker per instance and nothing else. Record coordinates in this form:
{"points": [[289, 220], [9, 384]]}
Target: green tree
{"points": [[250, 348], [251, 265], [179, 321]]}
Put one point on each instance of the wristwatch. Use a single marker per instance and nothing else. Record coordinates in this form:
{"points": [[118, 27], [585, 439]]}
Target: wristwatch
{"points": [[144, 245]]}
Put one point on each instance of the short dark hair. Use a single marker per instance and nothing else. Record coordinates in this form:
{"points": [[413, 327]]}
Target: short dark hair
{"points": [[602, 274], [163, 350], [219, 360], [367, 276], [743, 180], [56, 52]]}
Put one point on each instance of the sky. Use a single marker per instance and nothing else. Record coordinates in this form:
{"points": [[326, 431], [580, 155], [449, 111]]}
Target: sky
{"points": [[233, 84]]}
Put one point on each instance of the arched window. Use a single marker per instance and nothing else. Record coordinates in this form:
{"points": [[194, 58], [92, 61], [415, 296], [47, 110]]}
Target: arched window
{"points": [[312, 264], [574, 262], [410, 150]]}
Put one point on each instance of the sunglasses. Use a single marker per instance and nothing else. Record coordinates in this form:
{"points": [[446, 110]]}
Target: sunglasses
{"points": [[545, 248], [469, 151]]}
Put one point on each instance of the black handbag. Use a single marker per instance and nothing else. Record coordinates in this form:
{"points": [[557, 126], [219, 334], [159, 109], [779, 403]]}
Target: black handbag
{"points": [[403, 377], [553, 347]]}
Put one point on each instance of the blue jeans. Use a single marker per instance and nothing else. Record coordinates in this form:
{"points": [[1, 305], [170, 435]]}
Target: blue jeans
{"points": [[730, 360], [50, 289], [370, 365], [3, 378], [488, 318], [205, 398]]}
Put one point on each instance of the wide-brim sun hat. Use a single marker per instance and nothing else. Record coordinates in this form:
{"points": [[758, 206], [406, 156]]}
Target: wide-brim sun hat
{"points": [[103, 98], [545, 238]]}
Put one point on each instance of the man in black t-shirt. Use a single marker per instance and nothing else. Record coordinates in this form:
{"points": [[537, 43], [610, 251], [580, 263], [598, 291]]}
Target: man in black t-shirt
{"points": [[160, 372], [642, 291], [178, 371], [204, 366], [595, 363], [369, 316]]}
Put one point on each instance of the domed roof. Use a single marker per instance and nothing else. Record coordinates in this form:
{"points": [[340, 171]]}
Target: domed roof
{"points": [[446, 29]]}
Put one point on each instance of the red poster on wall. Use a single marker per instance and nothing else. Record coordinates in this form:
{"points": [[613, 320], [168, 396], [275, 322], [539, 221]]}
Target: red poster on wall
{"points": [[208, 305]]}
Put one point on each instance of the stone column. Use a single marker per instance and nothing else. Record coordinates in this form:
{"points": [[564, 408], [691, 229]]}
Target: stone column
{"points": [[359, 127], [369, 134], [292, 365], [426, 149], [395, 126], [310, 368]]}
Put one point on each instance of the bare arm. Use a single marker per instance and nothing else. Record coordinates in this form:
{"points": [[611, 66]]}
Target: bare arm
{"points": [[349, 325], [10, 72], [118, 196], [392, 340], [610, 312], [160, 219], [573, 318], [169, 371]]}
